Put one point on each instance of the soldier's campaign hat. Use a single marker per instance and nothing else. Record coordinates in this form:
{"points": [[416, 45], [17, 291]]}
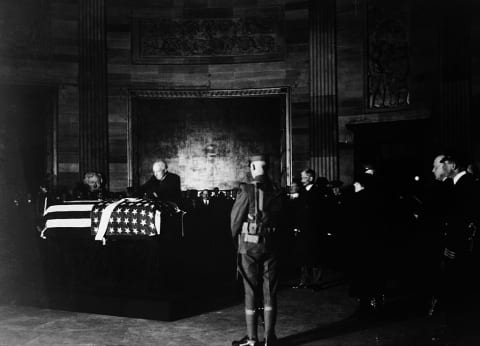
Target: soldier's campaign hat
{"points": [[258, 157]]}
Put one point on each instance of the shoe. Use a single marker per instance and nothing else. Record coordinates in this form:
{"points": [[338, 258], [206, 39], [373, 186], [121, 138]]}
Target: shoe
{"points": [[364, 309], [271, 341], [245, 341], [433, 305], [374, 304], [317, 275], [300, 285], [377, 303], [443, 336]]}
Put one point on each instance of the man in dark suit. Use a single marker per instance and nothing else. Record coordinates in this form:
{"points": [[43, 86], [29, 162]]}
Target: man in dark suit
{"points": [[163, 185], [461, 214], [204, 213], [462, 221], [308, 237], [204, 200], [366, 244], [432, 219]]}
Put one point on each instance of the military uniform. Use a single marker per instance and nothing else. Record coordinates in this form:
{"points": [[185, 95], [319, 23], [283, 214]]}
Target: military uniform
{"points": [[462, 220], [254, 220]]}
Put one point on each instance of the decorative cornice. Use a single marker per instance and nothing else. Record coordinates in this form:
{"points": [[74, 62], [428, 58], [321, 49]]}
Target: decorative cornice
{"points": [[383, 117], [283, 91], [141, 93]]}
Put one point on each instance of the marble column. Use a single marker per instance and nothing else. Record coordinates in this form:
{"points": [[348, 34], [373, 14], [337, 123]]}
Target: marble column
{"points": [[323, 89], [92, 86], [455, 84]]}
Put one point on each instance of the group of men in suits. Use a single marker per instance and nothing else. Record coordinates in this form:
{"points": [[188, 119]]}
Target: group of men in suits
{"points": [[449, 209]]}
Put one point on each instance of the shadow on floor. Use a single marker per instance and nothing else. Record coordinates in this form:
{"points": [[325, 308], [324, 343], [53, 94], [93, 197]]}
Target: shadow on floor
{"points": [[395, 312]]}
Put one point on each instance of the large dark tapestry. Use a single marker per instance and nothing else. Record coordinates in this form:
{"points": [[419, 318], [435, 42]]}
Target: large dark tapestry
{"points": [[388, 55], [207, 141], [253, 36]]}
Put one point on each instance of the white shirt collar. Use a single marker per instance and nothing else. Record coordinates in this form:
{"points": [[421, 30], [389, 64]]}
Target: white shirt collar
{"points": [[308, 187], [458, 176]]}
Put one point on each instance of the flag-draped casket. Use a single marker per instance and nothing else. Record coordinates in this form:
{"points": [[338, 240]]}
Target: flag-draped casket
{"points": [[127, 217]]}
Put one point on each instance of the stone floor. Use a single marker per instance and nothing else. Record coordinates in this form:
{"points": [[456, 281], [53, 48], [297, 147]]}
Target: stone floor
{"points": [[326, 317]]}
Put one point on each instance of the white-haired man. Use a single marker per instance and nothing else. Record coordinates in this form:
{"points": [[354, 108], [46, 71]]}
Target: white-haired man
{"points": [[163, 185]]}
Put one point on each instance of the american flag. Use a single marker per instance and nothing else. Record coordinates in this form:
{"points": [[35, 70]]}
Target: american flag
{"points": [[71, 217], [129, 217]]}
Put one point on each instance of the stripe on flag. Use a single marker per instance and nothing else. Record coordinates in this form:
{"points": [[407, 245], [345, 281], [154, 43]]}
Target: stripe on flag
{"points": [[65, 216]]}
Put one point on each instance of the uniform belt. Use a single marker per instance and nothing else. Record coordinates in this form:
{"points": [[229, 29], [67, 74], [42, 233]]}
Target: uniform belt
{"points": [[252, 228]]}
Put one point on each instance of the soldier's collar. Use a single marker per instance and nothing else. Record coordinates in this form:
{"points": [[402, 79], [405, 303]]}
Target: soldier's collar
{"points": [[260, 179]]}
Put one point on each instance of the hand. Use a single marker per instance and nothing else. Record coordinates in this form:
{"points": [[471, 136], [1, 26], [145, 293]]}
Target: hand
{"points": [[449, 253]]}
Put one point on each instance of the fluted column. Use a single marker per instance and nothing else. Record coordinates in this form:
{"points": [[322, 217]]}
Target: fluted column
{"points": [[455, 83], [455, 121], [92, 85], [323, 89]]}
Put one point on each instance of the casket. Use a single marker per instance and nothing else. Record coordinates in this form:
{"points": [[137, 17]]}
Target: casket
{"points": [[128, 217]]}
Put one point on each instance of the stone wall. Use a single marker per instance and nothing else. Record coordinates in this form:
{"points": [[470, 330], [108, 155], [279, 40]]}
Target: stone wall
{"points": [[123, 74], [40, 46], [362, 30]]}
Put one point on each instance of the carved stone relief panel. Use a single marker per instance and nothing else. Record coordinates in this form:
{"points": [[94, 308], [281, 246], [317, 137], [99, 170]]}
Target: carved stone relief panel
{"points": [[251, 36], [388, 70]]}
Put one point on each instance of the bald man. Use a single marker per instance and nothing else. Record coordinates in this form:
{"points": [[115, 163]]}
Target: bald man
{"points": [[163, 185]]}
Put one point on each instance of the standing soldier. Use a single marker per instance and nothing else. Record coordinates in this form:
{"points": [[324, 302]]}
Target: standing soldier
{"points": [[254, 219]]}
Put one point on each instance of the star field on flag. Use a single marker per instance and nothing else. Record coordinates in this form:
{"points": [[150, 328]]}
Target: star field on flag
{"points": [[128, 218]]}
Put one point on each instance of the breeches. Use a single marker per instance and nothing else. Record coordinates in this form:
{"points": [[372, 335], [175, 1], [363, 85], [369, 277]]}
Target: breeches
{"points": [[260, 280]]}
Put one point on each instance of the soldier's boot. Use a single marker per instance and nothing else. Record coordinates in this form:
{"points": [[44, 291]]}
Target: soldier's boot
{"points": [[251, 339], [432, 307], [246, 341], [317, 275], [270, 316], [304, 278]]}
